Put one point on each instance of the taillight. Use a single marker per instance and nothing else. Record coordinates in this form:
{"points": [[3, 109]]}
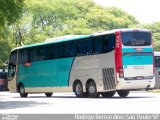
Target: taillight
{"points": [[121, 73]]}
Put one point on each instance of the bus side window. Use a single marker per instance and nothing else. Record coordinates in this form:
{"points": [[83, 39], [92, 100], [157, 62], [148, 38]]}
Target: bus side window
{"points": [[81, 47], [46, 52], [40, 53], [73, 49], [67, 49], [98, 44], [70, 49], [32, 52], [57, 50], [109, 42], [22, 56], [89, 46]]}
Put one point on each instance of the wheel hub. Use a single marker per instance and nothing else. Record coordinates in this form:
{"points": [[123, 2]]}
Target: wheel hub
{"points": [[78, 89], [21, 90], [92, 89]]}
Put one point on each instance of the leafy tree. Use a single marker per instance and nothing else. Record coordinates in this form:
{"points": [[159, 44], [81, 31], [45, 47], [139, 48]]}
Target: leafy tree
{"points": [[4, 48], [41, 19], [154, 27], [75, 17], [10, 11]]}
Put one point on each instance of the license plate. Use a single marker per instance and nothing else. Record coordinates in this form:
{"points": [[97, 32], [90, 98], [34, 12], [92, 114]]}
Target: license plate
{"points": [[139, 77]]}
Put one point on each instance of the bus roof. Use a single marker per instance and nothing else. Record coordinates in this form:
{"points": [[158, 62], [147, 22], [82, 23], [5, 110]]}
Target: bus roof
{"points": [[59, 38], [75, 37], [55, 40], [119, 30]]}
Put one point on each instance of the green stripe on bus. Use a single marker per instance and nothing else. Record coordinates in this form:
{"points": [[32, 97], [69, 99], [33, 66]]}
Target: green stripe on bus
{"points": [[46, 73]]}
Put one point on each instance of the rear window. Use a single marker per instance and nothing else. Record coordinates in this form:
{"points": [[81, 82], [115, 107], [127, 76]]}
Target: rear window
{"points": [[136, 38]]}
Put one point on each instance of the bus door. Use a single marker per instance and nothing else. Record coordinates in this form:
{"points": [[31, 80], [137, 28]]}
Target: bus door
{"points": [[12, 72], [157, 72]]}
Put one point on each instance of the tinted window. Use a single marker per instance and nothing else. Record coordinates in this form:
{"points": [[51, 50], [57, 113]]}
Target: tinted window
{"points": [[73, 48], [109, 42], [157, 61], [70, 49], [32, 54], [45, 52], [40, 53], [13, 58], [67, 49], [22, 56], [89, 46], [12, 65], [35, 54], [82, 47], [98, 44], [136, 38], [57, 50]]}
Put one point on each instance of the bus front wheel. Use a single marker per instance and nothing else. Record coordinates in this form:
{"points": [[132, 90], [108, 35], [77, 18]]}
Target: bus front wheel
{"points": [[22, 91], [48, 94], [123, 93]]}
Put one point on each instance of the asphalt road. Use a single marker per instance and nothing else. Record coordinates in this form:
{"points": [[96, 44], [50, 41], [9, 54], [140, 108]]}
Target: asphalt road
{"points": [[137, 102]]}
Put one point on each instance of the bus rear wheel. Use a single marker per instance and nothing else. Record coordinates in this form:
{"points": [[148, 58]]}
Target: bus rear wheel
{"points": [[22, 91], [92, 90], [108, 94], [78, 89], [49, 94], [123, 93]]}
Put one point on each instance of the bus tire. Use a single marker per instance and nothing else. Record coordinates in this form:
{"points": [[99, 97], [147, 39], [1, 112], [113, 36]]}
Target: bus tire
{"points": [[108, 94], [92, 90], [123, 93], [78, 89], [49, 94], [22, 91]]}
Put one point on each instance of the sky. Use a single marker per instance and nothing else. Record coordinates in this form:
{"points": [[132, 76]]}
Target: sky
{"points": [[145, 11]]}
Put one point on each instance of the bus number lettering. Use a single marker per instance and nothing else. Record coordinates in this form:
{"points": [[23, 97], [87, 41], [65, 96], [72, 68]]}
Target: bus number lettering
{"points": [[117, 41]]}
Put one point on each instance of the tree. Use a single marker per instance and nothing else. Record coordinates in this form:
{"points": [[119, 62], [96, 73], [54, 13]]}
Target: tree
{"points": [[154, 28], [41, 19], [10, 11], [53, 18], [5, 50]]}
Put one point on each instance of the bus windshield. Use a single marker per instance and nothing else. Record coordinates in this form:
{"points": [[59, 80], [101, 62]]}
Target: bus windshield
{"points": [[136, 38]]}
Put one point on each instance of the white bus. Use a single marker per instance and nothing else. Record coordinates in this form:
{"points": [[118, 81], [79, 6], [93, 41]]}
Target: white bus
{"points": [[89, 65], [157, 69]]}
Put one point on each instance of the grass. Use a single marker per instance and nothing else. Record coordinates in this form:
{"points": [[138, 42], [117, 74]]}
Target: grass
{"points": [[155, 90]]}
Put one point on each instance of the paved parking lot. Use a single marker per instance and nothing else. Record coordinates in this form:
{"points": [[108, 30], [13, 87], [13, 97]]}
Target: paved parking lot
{"points": [[136, 102]]}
